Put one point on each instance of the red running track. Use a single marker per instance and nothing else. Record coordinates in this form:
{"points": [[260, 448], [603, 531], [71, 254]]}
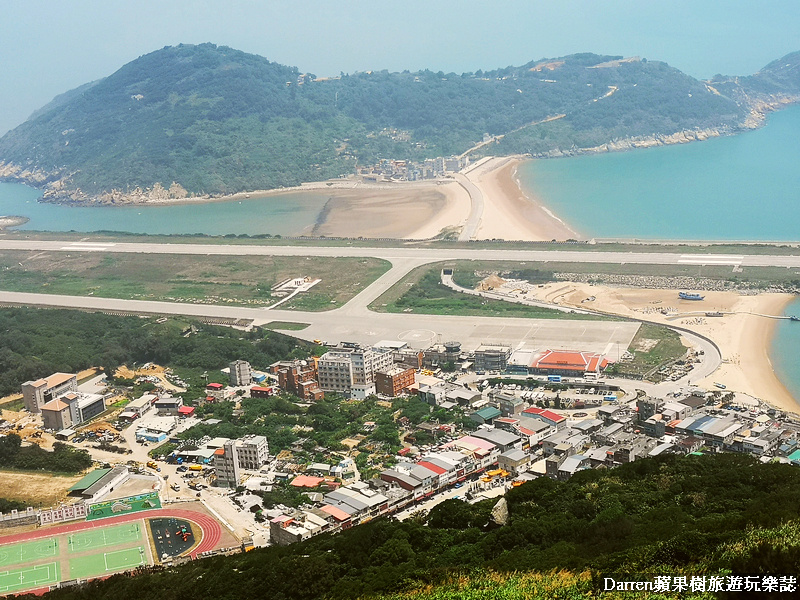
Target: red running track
{"points": [[211, 531]]}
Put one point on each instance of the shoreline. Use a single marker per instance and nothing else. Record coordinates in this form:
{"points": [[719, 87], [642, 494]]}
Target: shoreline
{"points": [[751, 368], [743, 336], [511, 212]]}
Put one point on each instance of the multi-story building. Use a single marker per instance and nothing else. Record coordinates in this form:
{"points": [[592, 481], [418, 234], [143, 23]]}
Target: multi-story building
{"points": [[241, 373], [391, 382], [352, 369], [335, 371], [298, 377], [38, 393], [72, 408], [226, 465], [492, 357], [366, 361], [250, 452]]}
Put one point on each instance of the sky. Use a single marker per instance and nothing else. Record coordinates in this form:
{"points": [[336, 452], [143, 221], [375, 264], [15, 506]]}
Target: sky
{"points": [[51, 46]]}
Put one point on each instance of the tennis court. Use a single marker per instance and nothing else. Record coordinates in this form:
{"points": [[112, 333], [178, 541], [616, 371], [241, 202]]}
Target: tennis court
{"points": [[15, 554], [92, 539], [26, 578], [104, 563]]}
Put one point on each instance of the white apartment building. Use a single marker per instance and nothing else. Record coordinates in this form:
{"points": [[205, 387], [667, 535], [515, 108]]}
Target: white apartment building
{"points": [[346, 369], [250, 452]]}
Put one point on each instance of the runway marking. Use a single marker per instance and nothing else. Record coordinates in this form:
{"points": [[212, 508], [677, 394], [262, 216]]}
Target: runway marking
{"points": [[86, 248], [694, 259]]}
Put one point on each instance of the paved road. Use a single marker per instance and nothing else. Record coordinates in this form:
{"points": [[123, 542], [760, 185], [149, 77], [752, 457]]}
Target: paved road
{"points": [[356, 323], [470, 229]]}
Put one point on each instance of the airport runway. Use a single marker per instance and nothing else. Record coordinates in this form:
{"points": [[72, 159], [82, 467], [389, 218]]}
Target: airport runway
{"points": [[423, 255], [355, 322]]}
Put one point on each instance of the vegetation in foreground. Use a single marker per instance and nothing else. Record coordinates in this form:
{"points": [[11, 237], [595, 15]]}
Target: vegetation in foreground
{"points": [[694, 515]]}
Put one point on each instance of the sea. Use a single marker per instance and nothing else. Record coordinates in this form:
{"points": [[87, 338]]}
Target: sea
{"points": [[741, 187], [284, 214]]}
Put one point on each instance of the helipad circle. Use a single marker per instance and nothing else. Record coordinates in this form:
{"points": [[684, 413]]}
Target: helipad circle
{"points": [[417, 335]]}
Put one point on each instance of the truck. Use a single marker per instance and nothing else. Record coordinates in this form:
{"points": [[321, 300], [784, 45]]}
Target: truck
{"points": [[176, 487], [152, 464], [195, 467]]}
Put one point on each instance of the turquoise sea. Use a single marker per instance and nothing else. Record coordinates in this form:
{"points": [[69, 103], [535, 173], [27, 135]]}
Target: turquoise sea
{"points": [[783, 353], [741, 187], [282, 215]]}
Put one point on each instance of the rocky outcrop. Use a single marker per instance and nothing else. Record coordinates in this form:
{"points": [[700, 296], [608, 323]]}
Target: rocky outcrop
{"points": [[500, 512]]}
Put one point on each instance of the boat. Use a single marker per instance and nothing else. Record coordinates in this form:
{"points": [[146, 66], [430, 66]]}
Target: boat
{"points": [[714, 314], [689, 296], [795, 318]]}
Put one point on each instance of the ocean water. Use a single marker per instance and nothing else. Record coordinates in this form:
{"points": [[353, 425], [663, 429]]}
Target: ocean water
{"points": [[741, 187], [276, 215], [783, 353]]}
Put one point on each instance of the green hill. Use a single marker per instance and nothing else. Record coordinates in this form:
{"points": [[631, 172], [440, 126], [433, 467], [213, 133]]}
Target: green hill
{"points": [[696, 515], [213, 120]]}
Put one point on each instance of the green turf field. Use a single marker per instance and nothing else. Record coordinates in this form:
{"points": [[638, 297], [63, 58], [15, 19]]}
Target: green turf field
{"points": [[104, 563], [23, 552], [25, 578], [103, 537]]}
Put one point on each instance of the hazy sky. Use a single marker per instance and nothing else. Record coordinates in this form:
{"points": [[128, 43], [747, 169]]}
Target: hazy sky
{"points": [[51, 46]]}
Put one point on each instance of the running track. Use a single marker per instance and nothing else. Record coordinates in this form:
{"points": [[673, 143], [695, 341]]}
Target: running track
{"points": [[211, 531]]}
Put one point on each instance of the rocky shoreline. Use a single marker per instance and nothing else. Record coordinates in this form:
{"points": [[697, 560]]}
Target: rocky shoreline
{"points": [[12, 221]]}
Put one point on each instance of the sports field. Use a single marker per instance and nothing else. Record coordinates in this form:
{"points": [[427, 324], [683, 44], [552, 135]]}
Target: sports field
{"points": [[92, 539], [94, 565], [37, 560], [26, 578], [94, 552], [16, 554]]}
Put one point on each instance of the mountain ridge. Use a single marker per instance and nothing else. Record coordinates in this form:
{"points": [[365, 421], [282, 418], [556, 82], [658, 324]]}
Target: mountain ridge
{"points": [[206, 120]]}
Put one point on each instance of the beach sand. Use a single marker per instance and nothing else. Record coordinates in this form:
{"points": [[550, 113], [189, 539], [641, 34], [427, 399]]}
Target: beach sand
{"points": [[422, 210], [743, 338], [412, 211], [509, 213]]}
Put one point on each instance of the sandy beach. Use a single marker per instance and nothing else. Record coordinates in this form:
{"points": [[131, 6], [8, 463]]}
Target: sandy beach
{"points": [[421, 210], [509, 212], [409, 210], [744, 337]]}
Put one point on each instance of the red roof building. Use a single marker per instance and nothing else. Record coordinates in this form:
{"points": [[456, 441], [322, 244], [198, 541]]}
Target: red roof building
{"points": [[432, 467], [562, 362], [548, 416], [186, 411], [306, 481], [214, 386]]}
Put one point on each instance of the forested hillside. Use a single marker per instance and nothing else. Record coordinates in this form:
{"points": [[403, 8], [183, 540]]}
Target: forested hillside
{"points": [[213, 120], [695, 515]]}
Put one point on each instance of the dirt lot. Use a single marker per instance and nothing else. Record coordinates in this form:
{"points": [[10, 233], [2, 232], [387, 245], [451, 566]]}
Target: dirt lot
{"points": [[152, 371], [38, 489]]}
